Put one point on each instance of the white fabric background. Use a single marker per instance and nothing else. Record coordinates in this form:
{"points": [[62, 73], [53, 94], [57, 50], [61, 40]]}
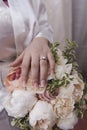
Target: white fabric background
{"points": [[60, 17], [79, 32], [69, 20]]}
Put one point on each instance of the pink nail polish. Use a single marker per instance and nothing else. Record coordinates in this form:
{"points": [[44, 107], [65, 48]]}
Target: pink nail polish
{"points": [[43, 83], [24, 84], [36, 85], [52, 72]]}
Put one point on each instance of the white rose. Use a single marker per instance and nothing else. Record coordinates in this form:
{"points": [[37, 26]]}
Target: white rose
{"points": [[68, 123], [42, 116], [19, 103]]}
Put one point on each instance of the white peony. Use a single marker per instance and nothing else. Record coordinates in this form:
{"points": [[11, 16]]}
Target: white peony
{"points": [[74, 88], [19, 103], [68, 122], [42, 116], [78, 88], [66, 91]]}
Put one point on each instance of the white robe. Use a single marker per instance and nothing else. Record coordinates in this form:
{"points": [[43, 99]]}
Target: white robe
{"points": [[20, 23]]}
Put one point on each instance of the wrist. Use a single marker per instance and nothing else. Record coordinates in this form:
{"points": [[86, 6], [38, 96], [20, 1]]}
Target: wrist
{"points": [[41, 40]]}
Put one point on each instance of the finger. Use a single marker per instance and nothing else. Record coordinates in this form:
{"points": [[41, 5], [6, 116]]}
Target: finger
{"points": [[18, 73], [35, 70], [18, 61], [17, 76], [12, 76], [43, 72], [18, 70], [51, 63], [25, 69]]}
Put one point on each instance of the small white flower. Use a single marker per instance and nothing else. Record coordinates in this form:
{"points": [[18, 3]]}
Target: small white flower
{"points": [[19, 103], [42, 116], [68, 122]]}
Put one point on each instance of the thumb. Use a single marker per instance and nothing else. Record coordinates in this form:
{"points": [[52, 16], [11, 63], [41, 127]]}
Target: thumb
{"points": [[18, 61]]}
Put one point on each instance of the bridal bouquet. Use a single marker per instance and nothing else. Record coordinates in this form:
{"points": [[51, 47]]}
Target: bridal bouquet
{"points": [[58, 105]]}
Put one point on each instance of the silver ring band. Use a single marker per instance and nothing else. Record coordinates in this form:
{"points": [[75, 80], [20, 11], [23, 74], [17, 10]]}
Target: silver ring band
{"points": [[43, 58]]}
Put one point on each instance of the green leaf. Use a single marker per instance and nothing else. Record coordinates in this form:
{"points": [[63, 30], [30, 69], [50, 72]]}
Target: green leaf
{"points": [[54, 84], [69, 53], [85, 89], [22, 123], [54, 47]]}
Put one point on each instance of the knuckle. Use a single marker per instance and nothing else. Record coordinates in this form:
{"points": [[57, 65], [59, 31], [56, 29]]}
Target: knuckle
{"points": [[24, 74], [35, 80], [43, 63], [34, 65], [24, 66]]}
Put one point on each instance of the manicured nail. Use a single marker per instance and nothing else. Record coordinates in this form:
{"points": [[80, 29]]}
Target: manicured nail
{"points": [[43, 83], [52, 72], [36, 85], [24, 84]]}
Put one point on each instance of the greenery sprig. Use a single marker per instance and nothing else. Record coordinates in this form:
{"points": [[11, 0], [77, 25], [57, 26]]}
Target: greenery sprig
{"points": [[54, 47], [22, 123], [79, 107], [69, 53], [85, 89], [57, 83]]}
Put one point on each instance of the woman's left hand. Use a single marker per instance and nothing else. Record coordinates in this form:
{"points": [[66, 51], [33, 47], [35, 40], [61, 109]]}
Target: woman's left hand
{"points": [[35, 58]]}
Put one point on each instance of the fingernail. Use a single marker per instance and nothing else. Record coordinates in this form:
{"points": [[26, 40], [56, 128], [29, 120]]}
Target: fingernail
{"points": [[52, 72], [43, 83], [36, 85], [24, 84]]}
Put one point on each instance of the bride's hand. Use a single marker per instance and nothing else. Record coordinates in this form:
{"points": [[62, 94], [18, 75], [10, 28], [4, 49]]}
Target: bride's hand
{"points": [[36, 58]]}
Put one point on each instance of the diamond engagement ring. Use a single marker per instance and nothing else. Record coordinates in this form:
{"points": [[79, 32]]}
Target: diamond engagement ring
{"points": [[43, 58]]}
